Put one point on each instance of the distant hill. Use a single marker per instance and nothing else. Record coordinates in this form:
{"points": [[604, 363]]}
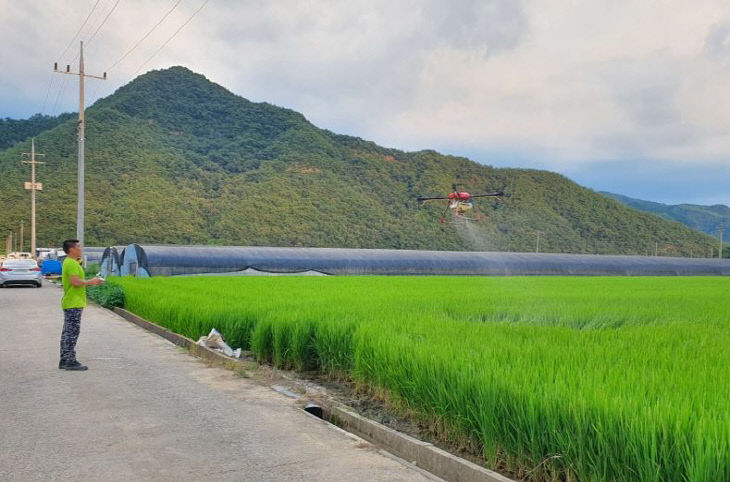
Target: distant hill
{"points": [[702, 218], [174, 158], [13, 131]]}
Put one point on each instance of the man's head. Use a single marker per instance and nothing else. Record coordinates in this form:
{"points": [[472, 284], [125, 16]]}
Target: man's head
{"points": [[72, 248]]}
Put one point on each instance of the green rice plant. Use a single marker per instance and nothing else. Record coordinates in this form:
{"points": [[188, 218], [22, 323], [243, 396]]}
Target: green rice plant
{"points": [[303, 351], [590, 379], [262, 340]]}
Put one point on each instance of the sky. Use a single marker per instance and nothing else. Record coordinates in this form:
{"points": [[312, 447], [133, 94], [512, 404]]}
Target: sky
{"points": [[627, 96]]}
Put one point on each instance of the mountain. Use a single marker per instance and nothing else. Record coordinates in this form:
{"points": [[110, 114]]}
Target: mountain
{"points": [[13, 131], [702, 218], [174, 158]]}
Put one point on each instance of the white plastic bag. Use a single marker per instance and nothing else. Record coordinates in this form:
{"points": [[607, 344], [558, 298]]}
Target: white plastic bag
{"points": [[215, 341]]}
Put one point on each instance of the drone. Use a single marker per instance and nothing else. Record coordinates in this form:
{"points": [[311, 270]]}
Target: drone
{"points": [[460, 203]]}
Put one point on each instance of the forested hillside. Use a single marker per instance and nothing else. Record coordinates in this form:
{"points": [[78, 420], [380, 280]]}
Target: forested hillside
{"points": [[702, 218], [13, 131], [174, 158]]}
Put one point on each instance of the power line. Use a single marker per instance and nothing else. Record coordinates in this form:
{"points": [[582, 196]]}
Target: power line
{"points": [[106, 17], [79, 30], [48, 91], [61, 88], [102, 23], [144, 36], [50, 79], [96, 30], [96, 20], [171, 37]]}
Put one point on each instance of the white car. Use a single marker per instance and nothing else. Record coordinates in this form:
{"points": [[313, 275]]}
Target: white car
{"points": [[20, 272], [19, 255]]}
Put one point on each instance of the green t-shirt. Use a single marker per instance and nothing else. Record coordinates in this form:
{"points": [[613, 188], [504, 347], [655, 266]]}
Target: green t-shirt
{"points": [[73, 296]]}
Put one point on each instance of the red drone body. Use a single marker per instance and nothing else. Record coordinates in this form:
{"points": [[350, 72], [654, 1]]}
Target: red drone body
{"points": [[460, 196], [460, 203]]}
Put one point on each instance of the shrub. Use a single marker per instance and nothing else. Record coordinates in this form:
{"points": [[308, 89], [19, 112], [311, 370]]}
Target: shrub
{"points": [[107, 295]]}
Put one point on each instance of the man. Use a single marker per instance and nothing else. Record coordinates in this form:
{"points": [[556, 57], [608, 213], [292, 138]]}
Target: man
{"points": [[73, 303]]}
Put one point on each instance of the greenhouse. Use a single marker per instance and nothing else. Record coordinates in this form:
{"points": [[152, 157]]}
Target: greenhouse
{"points": [[150, 260], [111, 261], [93, 254]]}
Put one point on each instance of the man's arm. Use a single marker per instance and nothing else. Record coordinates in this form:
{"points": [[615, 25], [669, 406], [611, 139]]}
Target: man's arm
{"points": [[76, 281]]}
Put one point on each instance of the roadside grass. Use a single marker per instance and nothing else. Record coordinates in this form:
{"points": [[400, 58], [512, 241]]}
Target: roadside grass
{"points": [[559, 378]]}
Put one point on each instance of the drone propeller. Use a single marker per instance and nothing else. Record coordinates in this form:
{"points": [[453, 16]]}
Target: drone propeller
{"points": [[489, 194], [421, 200]]}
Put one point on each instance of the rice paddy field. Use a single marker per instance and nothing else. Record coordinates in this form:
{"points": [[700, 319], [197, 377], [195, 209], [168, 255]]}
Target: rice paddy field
{"points": [[554, 378]]}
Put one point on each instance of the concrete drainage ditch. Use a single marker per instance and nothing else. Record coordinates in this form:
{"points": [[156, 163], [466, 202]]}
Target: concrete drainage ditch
{"points": [[422, 454]]}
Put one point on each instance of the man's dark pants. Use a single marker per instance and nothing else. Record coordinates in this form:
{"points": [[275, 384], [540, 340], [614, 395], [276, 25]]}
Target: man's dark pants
{"points": [[70, 333]]}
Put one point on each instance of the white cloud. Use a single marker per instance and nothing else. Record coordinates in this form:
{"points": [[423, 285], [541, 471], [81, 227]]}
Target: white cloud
{"points": [[560, 83], [589, 83]]}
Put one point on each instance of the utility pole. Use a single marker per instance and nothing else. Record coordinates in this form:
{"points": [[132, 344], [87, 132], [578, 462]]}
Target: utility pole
{"points": [[81, 125], [537, 245], [33, 186], [721, 230], [22, 238], [656, 248]]}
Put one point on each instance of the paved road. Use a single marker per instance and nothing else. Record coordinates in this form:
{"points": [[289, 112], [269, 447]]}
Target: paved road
{"points": [[147, 411]]}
